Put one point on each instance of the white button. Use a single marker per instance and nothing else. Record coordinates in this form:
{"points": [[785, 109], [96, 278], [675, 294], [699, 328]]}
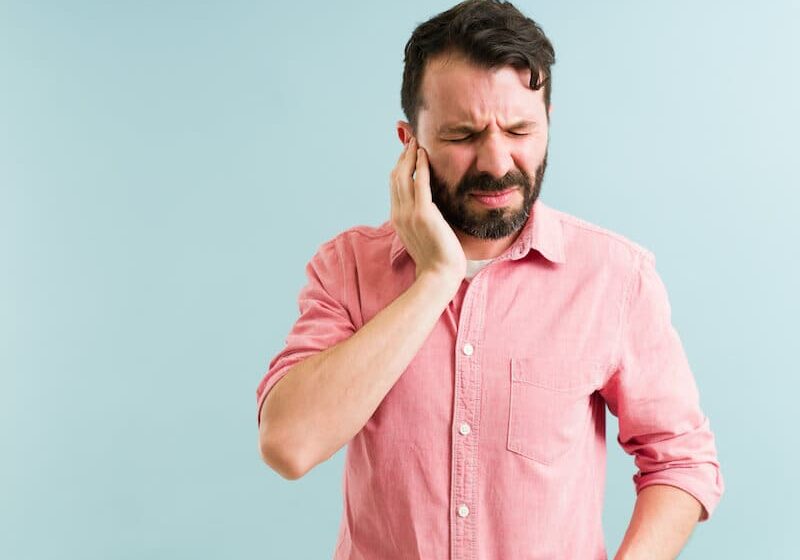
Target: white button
{"points": [[463, 510], [468, 349], [464, 428]]}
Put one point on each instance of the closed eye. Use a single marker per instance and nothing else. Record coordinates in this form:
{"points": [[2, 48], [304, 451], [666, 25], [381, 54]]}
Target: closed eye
{"points": [[465, 138]]}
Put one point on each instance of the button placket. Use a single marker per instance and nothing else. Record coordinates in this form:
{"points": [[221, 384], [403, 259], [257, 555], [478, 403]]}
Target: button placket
{"points": [[467, 393]]}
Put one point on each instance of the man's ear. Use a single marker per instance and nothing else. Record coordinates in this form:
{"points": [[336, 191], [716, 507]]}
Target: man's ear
{"points": [[404, 132]]}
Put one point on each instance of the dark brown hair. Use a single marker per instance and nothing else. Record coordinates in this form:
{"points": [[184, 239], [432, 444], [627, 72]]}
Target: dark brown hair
{"points": [[488, 33]]}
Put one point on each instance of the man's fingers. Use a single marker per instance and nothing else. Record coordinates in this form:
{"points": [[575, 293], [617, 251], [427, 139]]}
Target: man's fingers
{"points": [[394, 182], [395, 209], [404, 172], [422, 181]]}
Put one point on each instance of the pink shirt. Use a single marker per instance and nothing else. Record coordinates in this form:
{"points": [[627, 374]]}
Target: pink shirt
{"points": [[491, 444]]}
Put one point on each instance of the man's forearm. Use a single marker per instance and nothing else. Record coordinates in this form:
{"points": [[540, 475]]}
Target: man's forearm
{"points": [[328, 397], [663, 518]]}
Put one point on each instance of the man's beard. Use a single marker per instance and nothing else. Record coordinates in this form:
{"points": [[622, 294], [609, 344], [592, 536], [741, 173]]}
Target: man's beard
{"points": [[491, 223]]}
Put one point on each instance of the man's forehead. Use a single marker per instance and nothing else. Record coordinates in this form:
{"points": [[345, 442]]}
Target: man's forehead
{"points": [[469, 125], [457, 91], [458, 115], [457, 105]]}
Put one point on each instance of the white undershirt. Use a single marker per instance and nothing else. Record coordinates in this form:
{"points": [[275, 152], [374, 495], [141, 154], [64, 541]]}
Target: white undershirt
{"points": [[474, 266]]}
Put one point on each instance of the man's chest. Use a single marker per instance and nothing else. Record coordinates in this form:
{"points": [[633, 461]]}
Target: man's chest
{"points": [[513, 362]]}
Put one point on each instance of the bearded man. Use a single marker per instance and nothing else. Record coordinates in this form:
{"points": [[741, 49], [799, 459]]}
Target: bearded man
{"points": [[465, 350]]}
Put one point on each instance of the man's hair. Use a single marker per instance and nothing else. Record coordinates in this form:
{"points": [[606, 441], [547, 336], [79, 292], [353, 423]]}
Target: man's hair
{"points": [[489, 33]]}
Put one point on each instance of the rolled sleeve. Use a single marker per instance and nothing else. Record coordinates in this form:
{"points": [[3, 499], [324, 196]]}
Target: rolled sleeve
{"points": [[653, 393], [323, 322]]}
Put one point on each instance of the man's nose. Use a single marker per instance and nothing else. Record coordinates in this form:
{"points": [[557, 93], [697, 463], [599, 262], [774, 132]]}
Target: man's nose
{"points": [[494, 156]]}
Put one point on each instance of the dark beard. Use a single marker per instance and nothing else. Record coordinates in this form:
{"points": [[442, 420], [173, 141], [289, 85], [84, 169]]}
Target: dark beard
{"points": [[491, 223]]}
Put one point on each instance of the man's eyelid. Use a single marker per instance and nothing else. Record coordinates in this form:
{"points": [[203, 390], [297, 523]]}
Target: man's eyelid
{"points": [[521, 129], [524, 128], [468, 136], [460, 138]]}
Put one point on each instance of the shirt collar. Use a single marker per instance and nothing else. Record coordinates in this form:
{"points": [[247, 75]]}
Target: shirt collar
{"points": [[542, 231]]}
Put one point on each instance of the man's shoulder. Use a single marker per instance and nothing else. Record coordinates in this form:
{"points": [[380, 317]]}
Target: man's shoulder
{"points": [[359, 237], [364, 233], [582, 235]]}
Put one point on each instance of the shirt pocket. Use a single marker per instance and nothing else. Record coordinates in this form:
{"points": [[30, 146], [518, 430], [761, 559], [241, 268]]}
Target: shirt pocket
{"points": [[550, 405]]}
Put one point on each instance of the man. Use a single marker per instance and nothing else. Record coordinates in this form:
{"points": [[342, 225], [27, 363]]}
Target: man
{"points": [[465, 350]]}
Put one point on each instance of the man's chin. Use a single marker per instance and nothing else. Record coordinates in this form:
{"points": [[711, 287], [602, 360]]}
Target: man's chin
{"points": [[492, 228]]}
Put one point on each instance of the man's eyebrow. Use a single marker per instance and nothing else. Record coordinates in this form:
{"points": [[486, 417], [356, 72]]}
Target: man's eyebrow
{"points": [[465, 128]]}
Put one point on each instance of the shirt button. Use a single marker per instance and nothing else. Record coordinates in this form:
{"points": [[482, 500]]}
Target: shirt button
{"points": [[463, 510], [468, 349], [464, 428]]}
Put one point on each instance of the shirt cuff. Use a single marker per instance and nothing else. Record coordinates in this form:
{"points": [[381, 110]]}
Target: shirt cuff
{"points": [[693, 480]]}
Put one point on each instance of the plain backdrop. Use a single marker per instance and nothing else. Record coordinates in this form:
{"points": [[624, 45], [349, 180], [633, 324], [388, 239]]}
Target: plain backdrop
{"points": [[168, 168]]}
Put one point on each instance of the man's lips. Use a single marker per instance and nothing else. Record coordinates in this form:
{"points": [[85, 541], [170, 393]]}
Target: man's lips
{"points": [[494, 199], [493, 193]]}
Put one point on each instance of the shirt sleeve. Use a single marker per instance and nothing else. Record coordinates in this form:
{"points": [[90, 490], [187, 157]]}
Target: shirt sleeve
{"points": [[323, 322], [653, 393]]}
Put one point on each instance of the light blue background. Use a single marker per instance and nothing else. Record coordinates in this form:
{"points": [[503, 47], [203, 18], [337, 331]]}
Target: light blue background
{"points": [[168, 168]]}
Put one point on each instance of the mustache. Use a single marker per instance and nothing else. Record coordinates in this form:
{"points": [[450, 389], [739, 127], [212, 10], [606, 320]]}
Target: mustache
{"points": [[486, 183]]}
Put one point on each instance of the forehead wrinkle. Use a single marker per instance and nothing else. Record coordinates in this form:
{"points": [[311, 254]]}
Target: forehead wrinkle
{"points": [[466, 126], [479, 106], [504, 116]]}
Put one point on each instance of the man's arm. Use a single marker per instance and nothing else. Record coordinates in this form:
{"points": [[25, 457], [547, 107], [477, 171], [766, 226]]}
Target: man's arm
{"points": [[653, 393], [311, 412], [663, 518], [327, 398]]}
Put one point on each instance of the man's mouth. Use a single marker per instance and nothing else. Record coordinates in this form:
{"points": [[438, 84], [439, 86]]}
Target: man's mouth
{"points": [[494, 199], [493, 193]]}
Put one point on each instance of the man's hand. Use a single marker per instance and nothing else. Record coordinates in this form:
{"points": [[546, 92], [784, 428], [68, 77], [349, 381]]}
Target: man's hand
{"points": [[420, 225]]}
